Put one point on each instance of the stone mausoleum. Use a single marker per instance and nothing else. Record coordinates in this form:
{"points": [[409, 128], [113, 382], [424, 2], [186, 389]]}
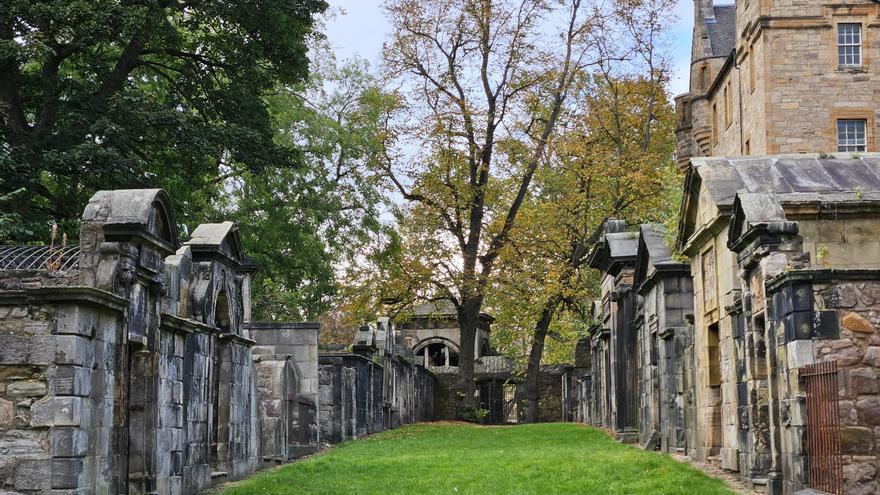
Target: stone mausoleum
{"points": [[758, 344], [130, 363], [431, 333]]}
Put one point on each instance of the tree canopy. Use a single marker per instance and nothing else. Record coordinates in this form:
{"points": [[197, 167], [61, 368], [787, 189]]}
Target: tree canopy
{"points": [[100, 94]]}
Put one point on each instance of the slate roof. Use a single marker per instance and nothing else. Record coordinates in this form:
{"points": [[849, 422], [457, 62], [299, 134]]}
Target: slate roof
{"points": [[622, 244], [790, 179], [653, 250], [760, 208], [211, 234], [222, 238], [614, 247], [756, 213], [722, 30], [655, 244]]}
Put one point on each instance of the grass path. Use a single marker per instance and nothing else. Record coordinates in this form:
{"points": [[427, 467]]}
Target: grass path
{"points": [[458, 458]]}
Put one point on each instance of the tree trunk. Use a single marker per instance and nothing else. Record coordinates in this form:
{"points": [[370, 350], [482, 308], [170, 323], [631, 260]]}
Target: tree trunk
{"points": [[533, 368], [468, 320]]}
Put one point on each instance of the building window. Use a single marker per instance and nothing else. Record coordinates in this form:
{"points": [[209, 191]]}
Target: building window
{"points": [[849, 44], [704, 77], [851, 135], [747, 148]]}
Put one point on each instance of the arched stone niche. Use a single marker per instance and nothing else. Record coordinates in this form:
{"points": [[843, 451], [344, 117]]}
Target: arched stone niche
{"points": [[126, 213], [220, 290], [124, 237]]}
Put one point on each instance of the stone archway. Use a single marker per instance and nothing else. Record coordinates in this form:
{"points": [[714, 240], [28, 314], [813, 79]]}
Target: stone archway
{"points": [[437, 351]]}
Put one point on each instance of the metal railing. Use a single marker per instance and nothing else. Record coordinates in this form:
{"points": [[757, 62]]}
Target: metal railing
{"points": [[46, 258], [823, 427]]}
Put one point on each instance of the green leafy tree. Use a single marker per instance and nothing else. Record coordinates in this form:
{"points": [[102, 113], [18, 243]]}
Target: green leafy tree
{"points": [[474, 74], [308, 226], [100, 94], [614, 160]]}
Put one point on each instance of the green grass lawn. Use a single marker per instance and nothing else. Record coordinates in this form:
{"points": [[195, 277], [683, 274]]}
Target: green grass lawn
{"points": [[447, 458]]}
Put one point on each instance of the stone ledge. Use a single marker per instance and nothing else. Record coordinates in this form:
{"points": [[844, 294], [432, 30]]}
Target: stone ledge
{"points": [[71, 294], [177, 324], [821, 275]]}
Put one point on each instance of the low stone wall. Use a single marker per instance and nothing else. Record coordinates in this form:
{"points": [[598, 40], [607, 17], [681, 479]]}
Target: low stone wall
{"points": [[356, 400], [287, 364]]}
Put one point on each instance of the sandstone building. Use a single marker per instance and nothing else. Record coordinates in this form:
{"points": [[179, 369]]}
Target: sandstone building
{"points": [[776, 77], [771, 365]]}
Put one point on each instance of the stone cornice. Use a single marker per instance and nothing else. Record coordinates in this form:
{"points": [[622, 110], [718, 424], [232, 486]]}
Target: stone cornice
{"points": [[238, 339], [71, 294], [184, 325], [820, 275]]}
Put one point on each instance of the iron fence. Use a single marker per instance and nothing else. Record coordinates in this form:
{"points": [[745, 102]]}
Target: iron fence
{"points": [[49, 258]]}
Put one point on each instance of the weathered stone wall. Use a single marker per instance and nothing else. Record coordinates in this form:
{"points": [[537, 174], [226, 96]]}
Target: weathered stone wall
{"points": [[58, 369], [857, 351], [445, 387], [334, 394], [843, 309], [287, 354], [131, 370], [355, 400], [550, 404]]}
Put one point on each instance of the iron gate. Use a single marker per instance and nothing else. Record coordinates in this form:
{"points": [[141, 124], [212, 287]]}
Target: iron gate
{"points": [[823, 427]]}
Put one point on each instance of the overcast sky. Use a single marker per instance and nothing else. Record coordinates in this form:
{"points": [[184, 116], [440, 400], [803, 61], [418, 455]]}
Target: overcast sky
{"points": [[362, 29]]}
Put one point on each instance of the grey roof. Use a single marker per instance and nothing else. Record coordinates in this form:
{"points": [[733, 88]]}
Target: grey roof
{"points": [[622, 244], [760, 208], [792, 178], [655, 244], [756, 213], [221, 238], [442, 307], [210, 234], [654, 252], [613, 247], [722, 30]]}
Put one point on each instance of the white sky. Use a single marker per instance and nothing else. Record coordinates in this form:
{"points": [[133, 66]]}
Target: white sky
{"points": [[363, 27]]}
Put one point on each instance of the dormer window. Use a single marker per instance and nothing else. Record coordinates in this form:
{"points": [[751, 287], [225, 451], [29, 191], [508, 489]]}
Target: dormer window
{"points": [[849, 44]]}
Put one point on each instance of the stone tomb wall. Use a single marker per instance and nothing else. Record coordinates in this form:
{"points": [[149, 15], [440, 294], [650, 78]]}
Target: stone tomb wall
{"points": [[287, 368], [130, 369], [842, 310], [780, 314]]}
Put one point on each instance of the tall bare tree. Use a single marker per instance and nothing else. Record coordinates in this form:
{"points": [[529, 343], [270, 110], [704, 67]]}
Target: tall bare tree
{"points": [[486, 85], [614, 161]]}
